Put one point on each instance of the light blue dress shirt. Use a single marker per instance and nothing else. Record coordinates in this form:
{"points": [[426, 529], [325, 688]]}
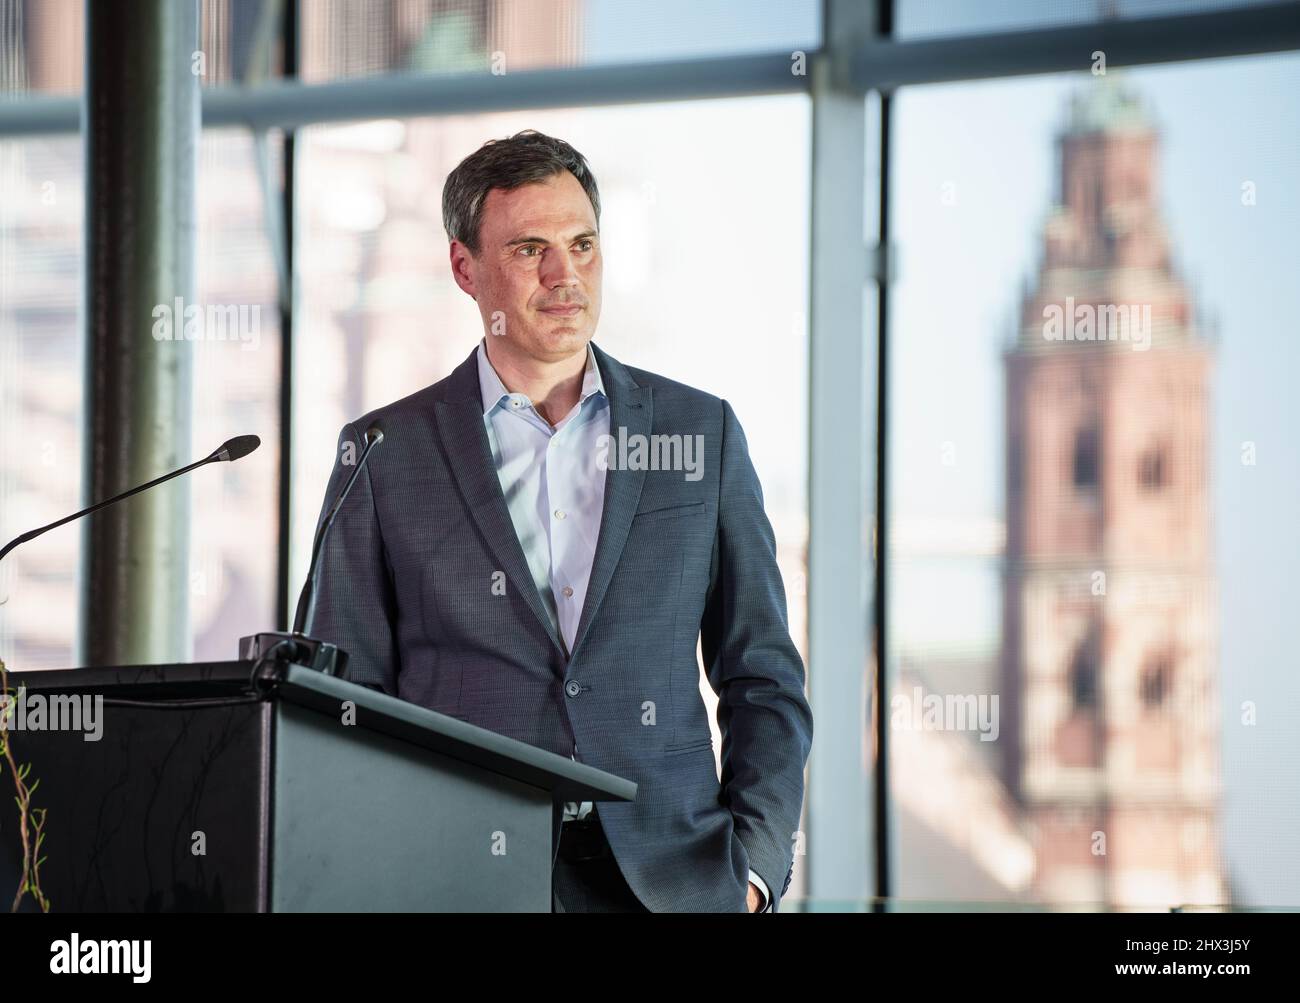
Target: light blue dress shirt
{"points": [[555, 492]]}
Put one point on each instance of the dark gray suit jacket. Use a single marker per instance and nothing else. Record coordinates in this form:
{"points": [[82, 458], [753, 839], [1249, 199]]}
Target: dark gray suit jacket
{"points": [[406, 588]]}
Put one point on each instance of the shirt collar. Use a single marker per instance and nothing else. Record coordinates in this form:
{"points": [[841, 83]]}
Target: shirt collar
{"points": [[494, 391]]}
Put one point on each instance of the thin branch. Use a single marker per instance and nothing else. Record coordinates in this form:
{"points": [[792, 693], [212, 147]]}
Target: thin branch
{"points": [[31, 822]]}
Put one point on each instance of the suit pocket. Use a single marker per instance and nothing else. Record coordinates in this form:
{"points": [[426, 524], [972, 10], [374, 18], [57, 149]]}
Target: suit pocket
{"points": [[670, 511], [681, 747]]}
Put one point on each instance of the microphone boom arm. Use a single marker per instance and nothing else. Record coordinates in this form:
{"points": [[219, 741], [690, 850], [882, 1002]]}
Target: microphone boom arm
{"points": [[222, 453], [306, 610]]}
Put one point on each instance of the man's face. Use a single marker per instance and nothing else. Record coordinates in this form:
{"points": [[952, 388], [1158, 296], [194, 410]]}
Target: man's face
{"points": [[537, 275]]}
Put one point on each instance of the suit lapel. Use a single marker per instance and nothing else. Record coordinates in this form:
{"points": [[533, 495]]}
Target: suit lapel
{"points": [[464, 437], [630, 407]]}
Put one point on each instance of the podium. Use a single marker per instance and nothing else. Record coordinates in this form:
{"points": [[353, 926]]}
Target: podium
{"points": [[269, 787]]}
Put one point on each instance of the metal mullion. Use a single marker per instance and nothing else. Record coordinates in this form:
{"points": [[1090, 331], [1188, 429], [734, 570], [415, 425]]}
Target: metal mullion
{"points": [[878, 64], [289, 160], [884, 65], [880, 608]]}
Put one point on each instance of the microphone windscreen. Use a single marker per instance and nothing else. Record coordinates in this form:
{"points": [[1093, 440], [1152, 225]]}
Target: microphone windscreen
{"points": [[375, 434], [237, 448]]}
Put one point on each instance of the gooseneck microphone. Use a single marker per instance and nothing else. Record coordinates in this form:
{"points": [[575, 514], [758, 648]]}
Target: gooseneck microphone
{"points": [[306, 612], [297, 646], [235, 449]]}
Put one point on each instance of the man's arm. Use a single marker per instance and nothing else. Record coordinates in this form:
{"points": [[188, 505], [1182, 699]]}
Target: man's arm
{"points": [[355, 604], [755, 669]]}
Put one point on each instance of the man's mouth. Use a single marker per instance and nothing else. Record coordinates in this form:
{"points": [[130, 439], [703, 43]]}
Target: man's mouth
{"points": [[563, 309]]}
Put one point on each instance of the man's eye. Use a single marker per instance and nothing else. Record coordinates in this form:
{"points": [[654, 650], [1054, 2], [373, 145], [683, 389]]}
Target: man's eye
{"points": [[585, 245], [527, 248]]}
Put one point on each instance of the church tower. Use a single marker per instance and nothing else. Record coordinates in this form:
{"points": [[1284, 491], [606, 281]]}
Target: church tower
{"points": [[1110, 688]]}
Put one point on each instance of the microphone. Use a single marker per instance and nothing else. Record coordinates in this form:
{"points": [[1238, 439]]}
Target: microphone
{"points": [[296, 645], [235, 449], [307, 599]]}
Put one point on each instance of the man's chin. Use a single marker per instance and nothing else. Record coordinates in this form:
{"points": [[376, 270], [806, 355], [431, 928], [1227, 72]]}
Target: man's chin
{"points": [[561, 342]]}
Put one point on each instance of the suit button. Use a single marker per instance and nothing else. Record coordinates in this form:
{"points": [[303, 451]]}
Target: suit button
{"points": [[572, 688]]}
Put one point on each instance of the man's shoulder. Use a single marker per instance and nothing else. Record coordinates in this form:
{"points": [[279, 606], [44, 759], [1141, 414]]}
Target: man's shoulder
{"points": [[400, 412], [418, 407], [670, 397], [663, 386], [673, 396]]}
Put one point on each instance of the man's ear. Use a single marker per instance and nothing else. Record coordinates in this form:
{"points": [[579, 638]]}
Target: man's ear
{"points": [[460, 268]]}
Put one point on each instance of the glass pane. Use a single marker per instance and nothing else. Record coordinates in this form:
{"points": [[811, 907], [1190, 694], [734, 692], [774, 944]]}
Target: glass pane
{"points": [[240, 41], [705, 276], [41, 46], [234, 530], [915, 19], [40, 396], [1094, 487], [346, 39]]}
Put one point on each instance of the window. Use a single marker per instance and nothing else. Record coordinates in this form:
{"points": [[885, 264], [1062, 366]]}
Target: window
{"points": [[234, 525], [41, 211], [1155, 681], [40, 395], [380, 315], [42, 45], [342, 38], [990, 237], [1015, 467], [1085, 465], [1151, 469], [1083, 676], [918, 19]]}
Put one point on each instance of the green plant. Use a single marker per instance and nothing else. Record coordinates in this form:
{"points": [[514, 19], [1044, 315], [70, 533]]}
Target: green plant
{"points": [[31, 821]]}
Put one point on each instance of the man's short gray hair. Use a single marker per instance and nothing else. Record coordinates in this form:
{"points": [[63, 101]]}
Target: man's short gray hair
{"points": [[525, 158]]}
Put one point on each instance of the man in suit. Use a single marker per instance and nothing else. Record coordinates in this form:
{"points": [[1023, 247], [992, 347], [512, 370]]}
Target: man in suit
{"points": [[542, 539]]}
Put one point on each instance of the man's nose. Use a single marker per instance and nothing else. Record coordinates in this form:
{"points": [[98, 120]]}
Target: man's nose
{"points": [[558, 268]]}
